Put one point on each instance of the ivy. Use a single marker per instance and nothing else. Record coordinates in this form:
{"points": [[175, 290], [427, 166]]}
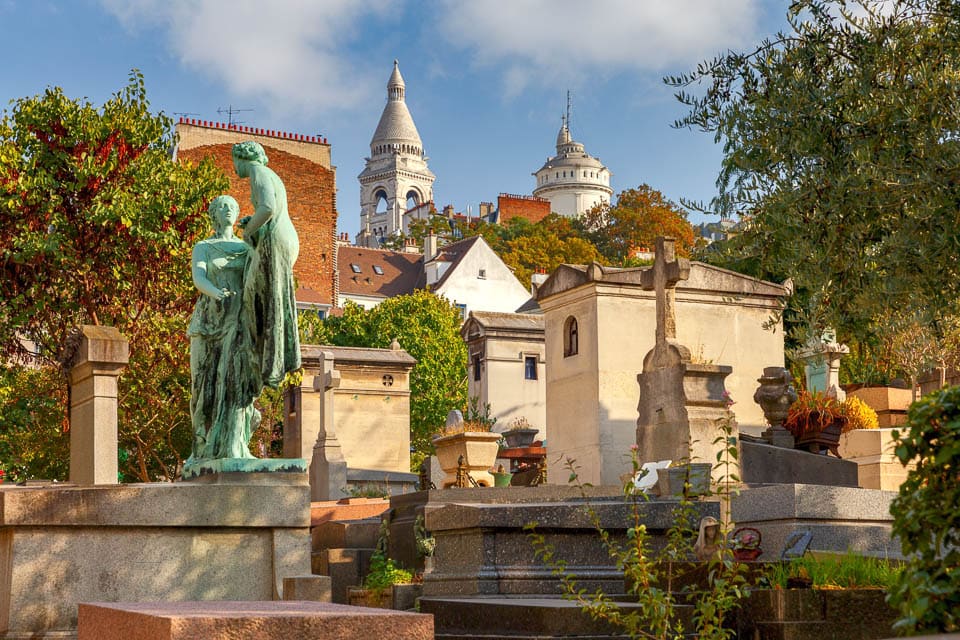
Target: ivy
{"points": [[926, 518]]}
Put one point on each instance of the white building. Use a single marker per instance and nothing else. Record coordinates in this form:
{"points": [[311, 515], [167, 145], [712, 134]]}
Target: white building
{"points": [[573, 181], [396, 182]]}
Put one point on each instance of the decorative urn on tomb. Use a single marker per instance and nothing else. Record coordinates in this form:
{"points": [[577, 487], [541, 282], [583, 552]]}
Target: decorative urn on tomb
{"points": [[775, 395], [467, 448]]}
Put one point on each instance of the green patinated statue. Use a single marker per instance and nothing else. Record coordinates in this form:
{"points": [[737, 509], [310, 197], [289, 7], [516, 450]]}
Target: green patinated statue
{"points": [[243, 333], [270, 231], [223, 362]]}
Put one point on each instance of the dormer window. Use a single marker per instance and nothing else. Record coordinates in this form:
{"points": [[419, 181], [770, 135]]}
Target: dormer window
{"points": [[355, 267], [377, 269]]}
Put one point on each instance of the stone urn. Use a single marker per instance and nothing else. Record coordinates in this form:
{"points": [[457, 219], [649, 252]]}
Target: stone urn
{"points": [[479, 450], [775, 395], [522, 437]]}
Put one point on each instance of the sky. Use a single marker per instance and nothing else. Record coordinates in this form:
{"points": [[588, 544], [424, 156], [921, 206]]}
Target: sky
{"points": [[486, 80]]}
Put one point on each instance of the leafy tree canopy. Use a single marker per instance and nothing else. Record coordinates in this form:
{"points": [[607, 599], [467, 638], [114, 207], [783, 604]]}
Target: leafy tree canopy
{"points": [[96, 227], [842, 156]]}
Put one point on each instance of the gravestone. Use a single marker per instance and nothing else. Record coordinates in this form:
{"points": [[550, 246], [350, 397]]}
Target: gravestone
{"points": [[821, 364], [682, 405], [328, 469]]}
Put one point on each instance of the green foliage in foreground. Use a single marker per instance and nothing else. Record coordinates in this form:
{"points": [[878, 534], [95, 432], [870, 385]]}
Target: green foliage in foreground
{"points": [[847, 571], [927, 518]]}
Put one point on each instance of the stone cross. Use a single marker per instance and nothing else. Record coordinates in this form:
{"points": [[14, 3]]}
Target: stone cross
{"points": [[663, 277], [328, 469]]}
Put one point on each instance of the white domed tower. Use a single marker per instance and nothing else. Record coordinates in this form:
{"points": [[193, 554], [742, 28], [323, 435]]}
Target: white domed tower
{"points": [[572, 180], [396, 177]]}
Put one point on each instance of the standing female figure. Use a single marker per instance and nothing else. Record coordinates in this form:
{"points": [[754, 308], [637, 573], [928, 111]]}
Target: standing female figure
{"points": [[270, 285], [223, 377]]}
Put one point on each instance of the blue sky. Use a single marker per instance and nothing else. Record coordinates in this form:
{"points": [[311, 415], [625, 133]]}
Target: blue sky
{"points": [[486, 79]]}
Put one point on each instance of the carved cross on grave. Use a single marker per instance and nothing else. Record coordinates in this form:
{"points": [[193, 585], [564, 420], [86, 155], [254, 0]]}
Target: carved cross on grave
{"points": [[663, 277]]}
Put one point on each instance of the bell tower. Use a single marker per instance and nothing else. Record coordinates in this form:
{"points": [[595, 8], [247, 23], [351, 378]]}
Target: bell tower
{"points": [[396, 180]]}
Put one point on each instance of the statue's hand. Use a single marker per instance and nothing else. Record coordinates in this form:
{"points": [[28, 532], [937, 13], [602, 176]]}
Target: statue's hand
{"points": [[244, 221], [225, 293]]}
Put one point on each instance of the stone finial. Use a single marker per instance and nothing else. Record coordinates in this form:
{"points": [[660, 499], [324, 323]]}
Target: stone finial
{"points": [[395, 345]]}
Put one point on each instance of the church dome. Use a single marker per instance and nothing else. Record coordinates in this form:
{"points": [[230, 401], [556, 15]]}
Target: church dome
{"points": [[396, 131]]}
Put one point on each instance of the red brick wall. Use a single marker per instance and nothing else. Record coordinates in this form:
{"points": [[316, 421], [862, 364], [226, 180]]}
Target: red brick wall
{"points": [[311, 200], [533, 209]]}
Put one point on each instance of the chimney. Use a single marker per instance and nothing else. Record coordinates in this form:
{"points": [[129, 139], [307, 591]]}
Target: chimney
{"points": [[485, 209], [430, 245], [537, 278], [410, 246], [448, 211]]}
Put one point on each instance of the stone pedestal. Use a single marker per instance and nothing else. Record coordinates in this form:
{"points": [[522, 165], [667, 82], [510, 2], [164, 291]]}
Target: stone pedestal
{"points": [[145, 542], [101, 356], [874, 452], [821, 364]]}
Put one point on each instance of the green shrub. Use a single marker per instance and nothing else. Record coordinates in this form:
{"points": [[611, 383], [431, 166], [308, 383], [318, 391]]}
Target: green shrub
{"points": [[927, 517], [847, 571]]}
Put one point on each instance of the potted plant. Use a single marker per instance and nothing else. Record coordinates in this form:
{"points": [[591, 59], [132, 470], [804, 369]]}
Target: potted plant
{"points": [[746, 544], [816, 421], [520, 433], [377, 588]]}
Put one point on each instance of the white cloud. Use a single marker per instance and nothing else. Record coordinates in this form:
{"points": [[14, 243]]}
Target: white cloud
{"points": [[562, 40], [285, 53]]}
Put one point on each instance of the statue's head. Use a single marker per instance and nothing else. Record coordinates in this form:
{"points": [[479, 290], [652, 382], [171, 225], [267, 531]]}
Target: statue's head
{"points": [[223, 211], [250, 151]]}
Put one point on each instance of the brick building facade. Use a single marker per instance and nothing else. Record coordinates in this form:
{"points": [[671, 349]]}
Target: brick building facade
{"points": [[532, 208], [303, 163]]}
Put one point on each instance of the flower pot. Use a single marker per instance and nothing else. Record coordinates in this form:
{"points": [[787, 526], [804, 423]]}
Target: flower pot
{"points": [[502, 479], [671, 480], [826, 439], [479, 451], [746, 555], [520, 437], [360, 597]]}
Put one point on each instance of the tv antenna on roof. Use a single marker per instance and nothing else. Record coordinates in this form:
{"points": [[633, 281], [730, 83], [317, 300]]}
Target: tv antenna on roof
{"points": [[184, 113], [230, 111]]}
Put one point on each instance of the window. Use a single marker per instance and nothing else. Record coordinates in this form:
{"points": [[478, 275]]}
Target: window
{"points": [[476, 366], [570, 337], [355, 267], [377, 269], [482, 274], [463, 311], [530, 368]]}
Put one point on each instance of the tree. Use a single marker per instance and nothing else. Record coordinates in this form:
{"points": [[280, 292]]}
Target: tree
{"points": [[634, 222], [841, 138], [428, 328], [96, 227]]}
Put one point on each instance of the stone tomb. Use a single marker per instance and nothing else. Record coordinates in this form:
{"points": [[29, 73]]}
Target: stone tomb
{"points": [[60, 545], [351, 418], [247, 621], [599, 323]]}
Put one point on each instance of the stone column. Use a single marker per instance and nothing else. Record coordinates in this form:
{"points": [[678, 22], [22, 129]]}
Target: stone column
{"points": [[101, 357], [328, 469]]}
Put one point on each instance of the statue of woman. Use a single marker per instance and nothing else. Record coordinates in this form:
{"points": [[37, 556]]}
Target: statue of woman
{"points": [[223, 374], [270, 284]]}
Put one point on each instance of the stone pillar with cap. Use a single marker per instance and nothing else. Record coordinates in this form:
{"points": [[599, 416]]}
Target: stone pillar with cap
{"points": [[328, 469], [102, 354]]}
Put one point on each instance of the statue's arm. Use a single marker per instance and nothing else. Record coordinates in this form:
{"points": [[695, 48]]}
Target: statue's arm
{"points": [[264, 197], [200, 279]]}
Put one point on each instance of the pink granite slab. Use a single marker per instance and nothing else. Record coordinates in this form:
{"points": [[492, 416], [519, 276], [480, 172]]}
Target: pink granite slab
{"points": [[289, 620]]}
